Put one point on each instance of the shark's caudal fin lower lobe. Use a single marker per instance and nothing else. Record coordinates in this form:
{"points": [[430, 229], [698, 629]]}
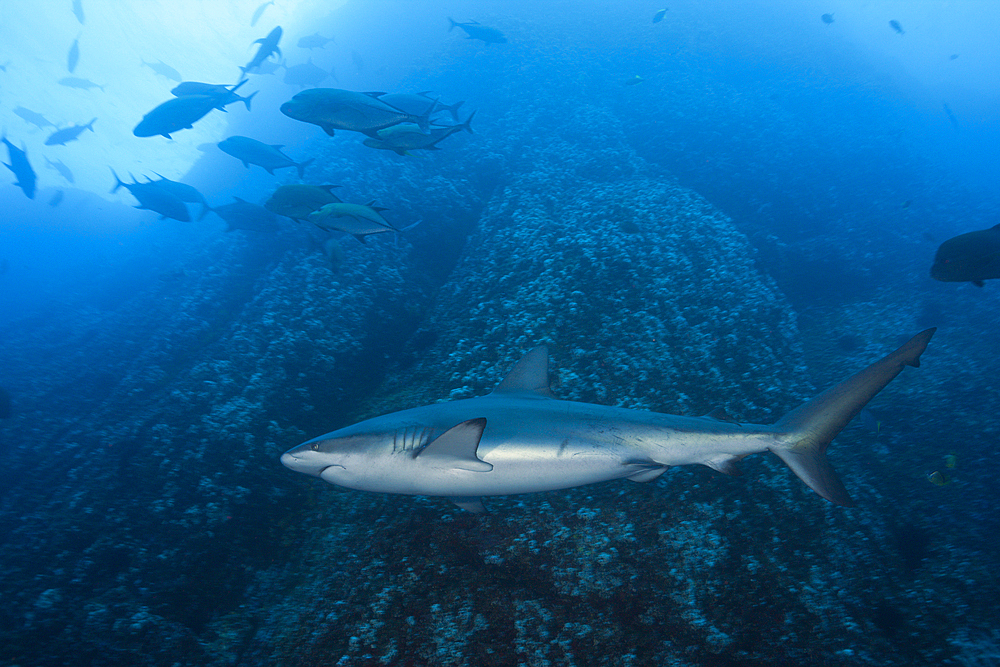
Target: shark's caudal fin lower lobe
{"points": [[804, 433]]}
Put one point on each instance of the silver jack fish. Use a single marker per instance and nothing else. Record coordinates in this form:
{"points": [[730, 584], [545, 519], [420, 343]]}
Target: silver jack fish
{"points": [[519, 439]]}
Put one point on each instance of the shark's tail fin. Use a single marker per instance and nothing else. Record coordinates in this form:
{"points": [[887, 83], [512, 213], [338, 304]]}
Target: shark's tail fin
{"points": [[805, 432]]}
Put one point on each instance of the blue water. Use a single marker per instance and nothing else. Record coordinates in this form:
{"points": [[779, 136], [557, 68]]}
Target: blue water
{"points": [[750, 220]]}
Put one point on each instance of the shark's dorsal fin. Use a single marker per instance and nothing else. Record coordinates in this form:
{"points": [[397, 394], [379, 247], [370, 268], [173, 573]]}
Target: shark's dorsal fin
{"points": [[530, 374], [456, 448]]}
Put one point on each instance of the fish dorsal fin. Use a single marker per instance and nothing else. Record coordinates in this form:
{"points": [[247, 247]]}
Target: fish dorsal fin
{"points": [[277, 147], [456, 448], [377, 209], [530, 374]]}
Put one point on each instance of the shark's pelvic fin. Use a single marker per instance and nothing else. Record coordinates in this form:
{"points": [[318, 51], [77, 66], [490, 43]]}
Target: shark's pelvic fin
{"points": [[804, 433], [530, 375], [456, 448], [470, 504], [648, 471]]}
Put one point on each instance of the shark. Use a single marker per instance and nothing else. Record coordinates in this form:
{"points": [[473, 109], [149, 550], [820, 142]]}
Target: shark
{"points": [[521, 439]]}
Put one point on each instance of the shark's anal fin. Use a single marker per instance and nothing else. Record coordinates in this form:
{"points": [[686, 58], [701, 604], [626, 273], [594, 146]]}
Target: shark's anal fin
{"points": [[470, 504], [456, 448], [530, 374], [725, 464]]}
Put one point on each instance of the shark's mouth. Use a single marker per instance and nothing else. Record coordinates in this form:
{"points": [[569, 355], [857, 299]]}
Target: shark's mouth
{"points": [[327, 473]]}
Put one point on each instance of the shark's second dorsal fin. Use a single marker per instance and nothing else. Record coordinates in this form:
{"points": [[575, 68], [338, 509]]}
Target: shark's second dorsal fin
{"points": [[531, 374], [456, 448]]}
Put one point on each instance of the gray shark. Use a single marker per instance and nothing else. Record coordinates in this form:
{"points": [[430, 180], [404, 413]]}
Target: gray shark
{"points": [[519, 439]]}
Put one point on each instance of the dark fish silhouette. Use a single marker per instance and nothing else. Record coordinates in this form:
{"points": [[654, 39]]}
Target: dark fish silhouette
{"points": [[298, 201], [268, 46], [78, 11], [22, 169], [306, 74], [36, 119], [406, 137], [186, 193], [827, 18], [313, 41], [336, 109], [154, 198], [658, 16], [243, 215], [224, 94], [164, 69], [174, 115], [898, 28], [60, 137], [972, 257], [77, 82], [74, 55], [56, 198], [259, 12], [421, 104], [474, 30], [250, 151], [62, 169]]}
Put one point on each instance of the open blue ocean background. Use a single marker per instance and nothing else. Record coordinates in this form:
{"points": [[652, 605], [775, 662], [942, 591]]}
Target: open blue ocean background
{"points": [[734, 206]]}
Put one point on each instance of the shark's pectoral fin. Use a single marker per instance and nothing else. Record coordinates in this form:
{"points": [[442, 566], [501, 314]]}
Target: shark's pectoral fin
{"points": [[456, 448], [530, 374], [473, 504]]}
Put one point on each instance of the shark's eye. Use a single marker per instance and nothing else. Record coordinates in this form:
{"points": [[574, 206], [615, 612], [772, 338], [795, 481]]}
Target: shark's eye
{"points": [[315, 447]]}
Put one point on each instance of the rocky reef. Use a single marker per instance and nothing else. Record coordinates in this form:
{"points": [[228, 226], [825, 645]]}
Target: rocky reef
{"points": [[147, 521]]}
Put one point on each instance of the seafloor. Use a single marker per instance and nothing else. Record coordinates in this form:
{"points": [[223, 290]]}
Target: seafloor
{"points": [[145, 519]]}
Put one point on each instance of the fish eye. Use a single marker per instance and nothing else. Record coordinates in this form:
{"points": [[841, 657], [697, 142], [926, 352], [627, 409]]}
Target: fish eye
{"points": [[315, 447]]}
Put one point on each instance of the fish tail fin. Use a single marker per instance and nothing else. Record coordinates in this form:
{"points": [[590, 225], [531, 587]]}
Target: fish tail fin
{"points": [[205, 210], [248, 98], [453, 109], [301, 166], [803, 434], [90, 125], [424, 122], [118, 181], [467, 125], [453, 25]]}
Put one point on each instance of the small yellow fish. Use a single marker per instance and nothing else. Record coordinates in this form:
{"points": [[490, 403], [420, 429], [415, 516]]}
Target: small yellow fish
{"points": [[938, 478], [951, 462]]}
